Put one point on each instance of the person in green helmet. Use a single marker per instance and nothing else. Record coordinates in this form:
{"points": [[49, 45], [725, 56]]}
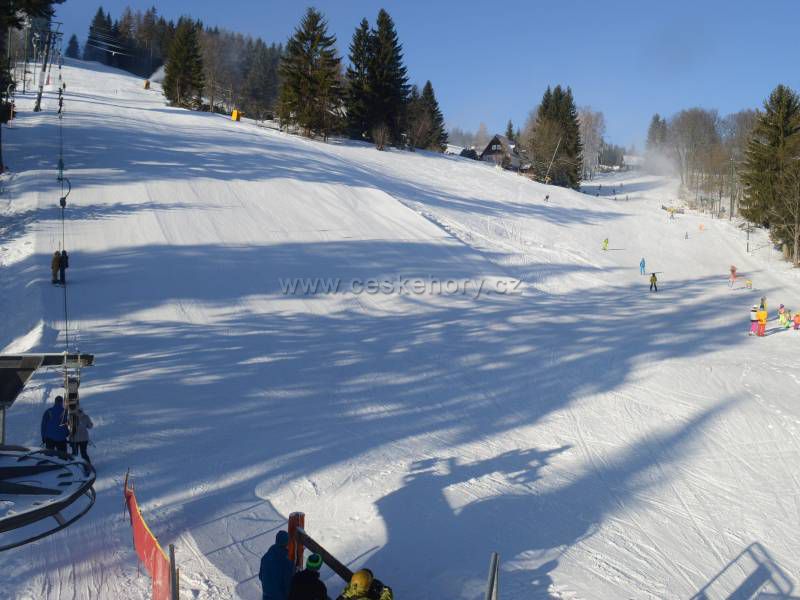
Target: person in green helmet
{"points": [[306, 584]]}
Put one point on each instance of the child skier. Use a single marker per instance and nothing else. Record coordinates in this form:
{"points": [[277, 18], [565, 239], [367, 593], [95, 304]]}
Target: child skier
{"points": [[653, 283], [788, 322], [796, 321], [732, 280], [641, 266], [782, 315], [762, 321], [605, 244], [753, 320]]}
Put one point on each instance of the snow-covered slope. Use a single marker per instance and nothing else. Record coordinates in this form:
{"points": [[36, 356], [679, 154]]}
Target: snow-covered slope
{"points": [[606, 441]]}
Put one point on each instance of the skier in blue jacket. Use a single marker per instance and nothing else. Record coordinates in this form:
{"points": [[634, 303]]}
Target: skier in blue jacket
{"points": [[54, 427], [641, 266], [276, 569]]}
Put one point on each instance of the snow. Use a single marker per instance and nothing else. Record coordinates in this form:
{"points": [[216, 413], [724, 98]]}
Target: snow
{"points": [[608, 442]]}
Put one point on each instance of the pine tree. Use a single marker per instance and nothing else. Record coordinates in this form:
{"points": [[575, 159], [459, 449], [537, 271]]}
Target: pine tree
{"points": [[510, 131], [261, 82], [73, 49], [358, 96], [97, 39], [183, 74], [656, 134], [771, 171], [437, 137], [556, 142], [418, 121], [388, 82], [311, 91]]}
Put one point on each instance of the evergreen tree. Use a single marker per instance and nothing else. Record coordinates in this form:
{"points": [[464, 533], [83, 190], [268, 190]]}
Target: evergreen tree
{"points": [[418, 121], [311, 94], [771, 172], [657, 134], [261, 82], [388, 83], [73, 49], [437, 137], [183, 75], [556, 142], [96, 43], [510, 131], [357, 95]]}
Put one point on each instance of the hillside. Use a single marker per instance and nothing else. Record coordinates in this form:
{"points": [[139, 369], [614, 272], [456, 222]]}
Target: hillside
{"points": [[607, 441]]}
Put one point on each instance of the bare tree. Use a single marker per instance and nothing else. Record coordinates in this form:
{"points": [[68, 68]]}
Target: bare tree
{"points": [[592, 129], [691, 135]]}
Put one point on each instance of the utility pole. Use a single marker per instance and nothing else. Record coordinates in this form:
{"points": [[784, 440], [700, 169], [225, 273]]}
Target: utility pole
{"points": [[25, 67], [733, 190], [38, 106]]}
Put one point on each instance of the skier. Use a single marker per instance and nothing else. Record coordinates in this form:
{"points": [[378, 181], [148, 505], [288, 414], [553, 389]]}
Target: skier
{"points": [[276, 570], [796, 321], [54, 427], [753, 320], [306, 584], [763, 304], [782, 315], [605, 244], [641, 266], [79, 437], [732, 279], [55, 264], [788, 321], [686, 237], [762, 321], [653, 282], [363, 586], [63, 265]]}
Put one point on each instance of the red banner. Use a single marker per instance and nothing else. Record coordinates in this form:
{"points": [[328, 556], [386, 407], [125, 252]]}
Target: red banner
{"points": [[148, 548]]}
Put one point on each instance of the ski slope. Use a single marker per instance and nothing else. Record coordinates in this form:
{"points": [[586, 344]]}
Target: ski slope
{"points": [[607, 441]]}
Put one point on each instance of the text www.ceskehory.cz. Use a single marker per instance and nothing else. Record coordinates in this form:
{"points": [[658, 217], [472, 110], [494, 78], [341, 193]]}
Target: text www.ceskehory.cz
{"points": [[404, 286]]}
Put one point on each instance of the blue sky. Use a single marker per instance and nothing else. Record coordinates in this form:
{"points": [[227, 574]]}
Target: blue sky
{"points": [[490, 61]]}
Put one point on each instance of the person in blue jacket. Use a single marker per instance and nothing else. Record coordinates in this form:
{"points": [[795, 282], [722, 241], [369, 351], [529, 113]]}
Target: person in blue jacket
{"points": [[276, 569], [641, 266], [54, 427]]}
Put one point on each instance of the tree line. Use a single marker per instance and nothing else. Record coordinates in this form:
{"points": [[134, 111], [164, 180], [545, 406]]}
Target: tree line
{"points": [[213, 69], [748, 160]]}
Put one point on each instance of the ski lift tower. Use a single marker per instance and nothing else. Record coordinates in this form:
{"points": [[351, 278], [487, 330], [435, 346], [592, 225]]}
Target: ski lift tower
{"points": [[36, 484]]}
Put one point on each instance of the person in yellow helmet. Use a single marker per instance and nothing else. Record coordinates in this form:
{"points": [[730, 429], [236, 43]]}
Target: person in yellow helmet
{"points": [[653, 283], [364, 586]]}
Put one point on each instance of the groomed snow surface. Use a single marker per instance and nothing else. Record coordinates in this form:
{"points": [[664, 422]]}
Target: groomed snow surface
{"points": [[607, 441]]}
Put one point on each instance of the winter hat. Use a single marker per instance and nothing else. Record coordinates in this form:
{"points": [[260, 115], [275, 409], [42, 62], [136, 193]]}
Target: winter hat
{"points": [[59, 400], [314, 562], [282, 538]]}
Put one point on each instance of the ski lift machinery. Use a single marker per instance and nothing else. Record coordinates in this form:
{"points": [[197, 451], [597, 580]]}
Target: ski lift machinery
{"points": [[41, 491]]}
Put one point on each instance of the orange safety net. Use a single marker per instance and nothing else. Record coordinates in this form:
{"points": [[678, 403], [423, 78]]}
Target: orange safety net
{"points": [[147, 547]]}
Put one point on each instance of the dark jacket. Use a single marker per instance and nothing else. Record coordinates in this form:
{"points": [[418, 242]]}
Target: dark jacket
{"points": [[276, 569], [63, 262], [54, 425], [306, 585]]}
